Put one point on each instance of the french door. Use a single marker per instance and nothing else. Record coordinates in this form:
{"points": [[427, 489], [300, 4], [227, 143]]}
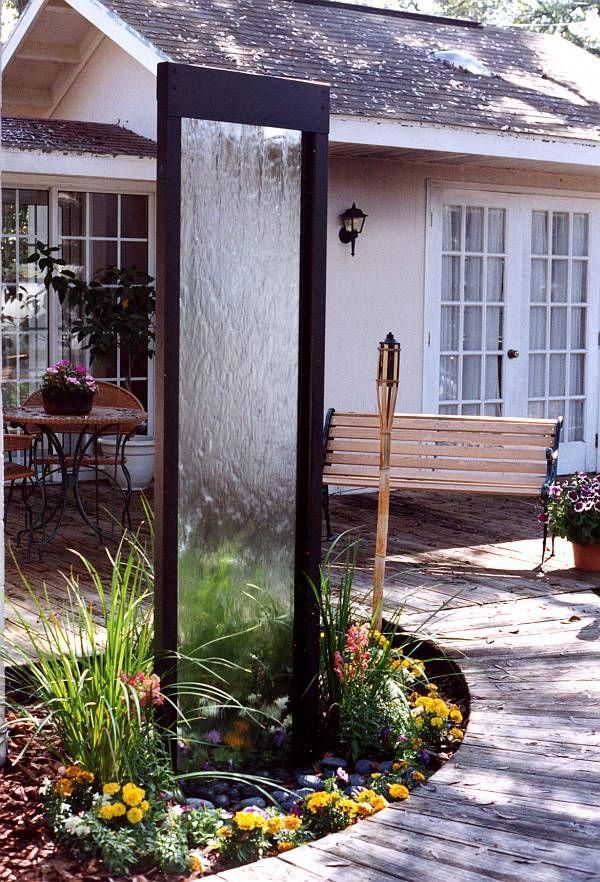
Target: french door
{"points": [[512, 311]]}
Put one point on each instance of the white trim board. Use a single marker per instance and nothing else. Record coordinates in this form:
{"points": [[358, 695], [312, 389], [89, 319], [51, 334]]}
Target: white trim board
{"points": [[87, 165], [474, 142]]}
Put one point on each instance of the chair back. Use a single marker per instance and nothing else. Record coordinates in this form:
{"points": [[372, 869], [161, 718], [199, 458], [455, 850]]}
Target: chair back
{"points": [[108, 395]]}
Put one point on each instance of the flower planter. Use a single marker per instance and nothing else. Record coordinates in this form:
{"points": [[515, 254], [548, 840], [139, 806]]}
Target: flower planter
{"points": [[586, 557], [67, 403], [139, 456]]}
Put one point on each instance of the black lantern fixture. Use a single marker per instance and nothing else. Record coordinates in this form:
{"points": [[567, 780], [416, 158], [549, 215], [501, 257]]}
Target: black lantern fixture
{"points": [[353, 223]]}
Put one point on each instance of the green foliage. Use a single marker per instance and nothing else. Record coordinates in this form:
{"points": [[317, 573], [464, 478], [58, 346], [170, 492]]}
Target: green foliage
{"points": [[115, 309], [74, 661], [574, 509]]}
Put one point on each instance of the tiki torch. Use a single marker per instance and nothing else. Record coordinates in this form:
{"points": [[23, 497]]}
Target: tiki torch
{"points": [[388, 372]]}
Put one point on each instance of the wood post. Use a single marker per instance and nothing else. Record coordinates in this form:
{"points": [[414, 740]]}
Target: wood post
{"points": [[387, 391]]}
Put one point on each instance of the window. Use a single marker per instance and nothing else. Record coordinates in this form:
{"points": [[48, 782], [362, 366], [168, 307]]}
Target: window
{"points": [[97, 231], [24, 300]]}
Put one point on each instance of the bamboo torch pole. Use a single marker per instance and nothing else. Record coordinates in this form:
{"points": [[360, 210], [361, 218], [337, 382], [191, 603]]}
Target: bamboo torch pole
{"points": [[388, 373]]}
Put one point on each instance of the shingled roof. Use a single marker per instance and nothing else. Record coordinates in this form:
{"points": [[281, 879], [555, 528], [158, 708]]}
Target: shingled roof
{"points": [[69, 136], [383, 65]]}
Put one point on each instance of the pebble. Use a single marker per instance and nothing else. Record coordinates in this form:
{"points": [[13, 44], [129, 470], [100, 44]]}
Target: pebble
{"points": [[365, 766], [222, 801], [312, 781], [385, 766], [352, 791], [333, 762], [357, 780], [253, 802], [199, 803]]}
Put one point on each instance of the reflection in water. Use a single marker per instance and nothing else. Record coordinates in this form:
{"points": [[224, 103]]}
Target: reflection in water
{"points": [[238, 412]]}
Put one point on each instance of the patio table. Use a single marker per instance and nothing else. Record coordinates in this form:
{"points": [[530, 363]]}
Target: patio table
{"points": [[85, 430]]}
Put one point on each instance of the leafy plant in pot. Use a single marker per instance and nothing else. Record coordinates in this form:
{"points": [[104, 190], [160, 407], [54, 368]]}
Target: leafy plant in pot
{"points": [[68, 390], [115, 310], [573, 512]]}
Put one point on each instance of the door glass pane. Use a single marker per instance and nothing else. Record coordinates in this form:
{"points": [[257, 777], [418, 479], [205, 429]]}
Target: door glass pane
{"points": [[556, 379], [493, 377], [496, 222], [104, 210], [24, 299], [579, 281], [473, 278], [539, 233], [471, 381], [560, 232], [580, 235], [537, 376], [576, 372], [448, 378], [474, 229], [578, 329], [450, 328], [537, 328], [539, 275], [558, 327], [472, 328], [237, 485], [495, 280], [559, 281], [452, 228], [575, 420], [450, 277], [494, 327]]}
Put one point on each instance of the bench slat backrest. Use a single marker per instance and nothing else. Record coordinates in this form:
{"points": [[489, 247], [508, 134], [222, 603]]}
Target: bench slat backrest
{"points": [[432, 450]]}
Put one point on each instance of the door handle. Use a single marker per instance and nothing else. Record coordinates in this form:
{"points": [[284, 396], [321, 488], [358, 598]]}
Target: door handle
{"points": [[513, 353]]}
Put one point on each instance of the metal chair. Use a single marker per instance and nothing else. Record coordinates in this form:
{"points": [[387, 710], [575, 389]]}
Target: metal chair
{"points": [[21, 471]]}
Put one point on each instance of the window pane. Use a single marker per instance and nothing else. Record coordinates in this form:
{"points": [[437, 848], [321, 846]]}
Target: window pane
{"points": [[448, 378], [449, 329], [559, 284], [539, 232], [471, 382], [575, 421], [494, 327], [450, 278], [134, 217], [73, 254], [471, 409], [557, 377], [452, 228], [71, 214], [9, 260], [104, 255], [496, 222], [472, 328], [576, 381], [134, 254], [473, 278], [103, 208], [556, 409], [579, 281], [33, 215], [493, 409], [9, 210], [495, 280], [536, 409], [537, 376], [474, 229], [448, 408], [493, 376], [577, 328], [558, 327], [560, 232], [537, 327], [539, 271], [580, 235]]}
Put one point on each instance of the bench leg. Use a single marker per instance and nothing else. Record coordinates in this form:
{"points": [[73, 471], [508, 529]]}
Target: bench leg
{"points": [[544, 541], [325, 494]]}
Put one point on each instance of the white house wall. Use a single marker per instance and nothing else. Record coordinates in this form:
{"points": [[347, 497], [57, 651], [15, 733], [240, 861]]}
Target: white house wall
{"points": [[382, 288], [112, 88]]}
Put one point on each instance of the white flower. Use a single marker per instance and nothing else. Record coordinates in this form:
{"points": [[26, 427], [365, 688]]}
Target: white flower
{"points": [[175, 811], [45, 788], [76, 826]]}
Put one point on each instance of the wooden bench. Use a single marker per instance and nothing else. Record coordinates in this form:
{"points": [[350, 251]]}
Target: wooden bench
{"points": [[471, 454]]}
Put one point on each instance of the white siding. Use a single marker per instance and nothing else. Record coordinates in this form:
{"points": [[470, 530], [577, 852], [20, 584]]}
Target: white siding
{"points": [[112, 88]]}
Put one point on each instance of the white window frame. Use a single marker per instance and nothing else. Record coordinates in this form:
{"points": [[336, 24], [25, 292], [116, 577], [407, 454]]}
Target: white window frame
{"points": [[520, 201], [55, 184]]}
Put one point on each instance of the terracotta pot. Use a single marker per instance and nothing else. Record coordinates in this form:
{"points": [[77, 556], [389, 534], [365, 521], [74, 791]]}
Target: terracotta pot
{"points": [[59, 403], [586, 557]]}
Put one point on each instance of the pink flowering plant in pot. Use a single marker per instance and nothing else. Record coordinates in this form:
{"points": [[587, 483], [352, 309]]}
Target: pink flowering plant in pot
{"points": [[573, 512], [68, 389]]}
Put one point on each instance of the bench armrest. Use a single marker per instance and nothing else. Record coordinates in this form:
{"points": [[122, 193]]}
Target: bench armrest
{"points": [[326, 428], [552, 459]]}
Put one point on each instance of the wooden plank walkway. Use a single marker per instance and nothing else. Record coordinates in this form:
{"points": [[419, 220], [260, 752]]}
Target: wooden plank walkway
{"points": [[521, 799]]}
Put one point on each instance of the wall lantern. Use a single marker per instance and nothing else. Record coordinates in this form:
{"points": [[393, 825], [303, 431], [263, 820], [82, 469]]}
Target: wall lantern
{"points": [[353, 223]]}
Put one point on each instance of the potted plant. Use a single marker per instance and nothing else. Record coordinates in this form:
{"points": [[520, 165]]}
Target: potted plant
{"points": [[68, 390], [115, 310], [573, 512]]}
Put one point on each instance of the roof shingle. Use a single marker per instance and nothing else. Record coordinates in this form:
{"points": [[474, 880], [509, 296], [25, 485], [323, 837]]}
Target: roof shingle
{"points": [[71, 136], [383, 65]]}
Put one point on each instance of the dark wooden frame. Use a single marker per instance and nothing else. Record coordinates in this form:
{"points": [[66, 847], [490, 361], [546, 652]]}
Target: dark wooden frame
{"points": [[185, 91]]}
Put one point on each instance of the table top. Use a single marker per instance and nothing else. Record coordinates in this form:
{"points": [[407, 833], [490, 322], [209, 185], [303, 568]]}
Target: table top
{"points": [[121, 419]]}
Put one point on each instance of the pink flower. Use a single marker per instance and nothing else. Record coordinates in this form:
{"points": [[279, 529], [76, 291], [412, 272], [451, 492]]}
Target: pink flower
{"points": [[73, 380], [338, 665]]}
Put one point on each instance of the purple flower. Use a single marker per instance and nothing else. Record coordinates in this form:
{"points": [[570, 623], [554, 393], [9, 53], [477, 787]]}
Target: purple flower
{"points": [[573, 496], [555, 490], [213, 736], [578, 506], [279, 737], [80, 369], [543, 517], [425, 756], [73, 380]]}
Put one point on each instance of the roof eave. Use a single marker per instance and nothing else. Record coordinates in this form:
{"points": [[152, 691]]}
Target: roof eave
{"points": [[15, 160]]}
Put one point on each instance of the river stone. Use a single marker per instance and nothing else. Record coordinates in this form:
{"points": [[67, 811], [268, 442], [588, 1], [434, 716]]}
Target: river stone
{"points": [[365, 766], [357, 780], [220, 788], [312, 781], [385, 766], [199, 803], [303, 792], [352, 791], [333, 762], [221, 801], [253, 802]]}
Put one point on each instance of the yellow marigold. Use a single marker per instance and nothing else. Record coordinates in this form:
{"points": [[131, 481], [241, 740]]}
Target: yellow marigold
{"points": [[440, 707], [197, 862], [418, 776], [405, 663], [348, 806], [432, 687], [413, 697], [286, 846], [366, 794], [376, 775], [119, 810], [437, 722], [144, 805], [64, 787], [72, 771], [132, 795], [456, 733], [224, 832], [364, 808], [85, 777], [416, 743], [111, 788], [378, 803], [106, 812], [292, 822], [275, 824], [318, 800], [395, 664], [135, 815], [455, 715], [399, 765], [418, 670], [398, 791], [249, 821]]}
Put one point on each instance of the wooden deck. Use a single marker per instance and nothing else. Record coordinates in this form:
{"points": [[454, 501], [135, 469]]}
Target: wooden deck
{"points": [[521, 799]]}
